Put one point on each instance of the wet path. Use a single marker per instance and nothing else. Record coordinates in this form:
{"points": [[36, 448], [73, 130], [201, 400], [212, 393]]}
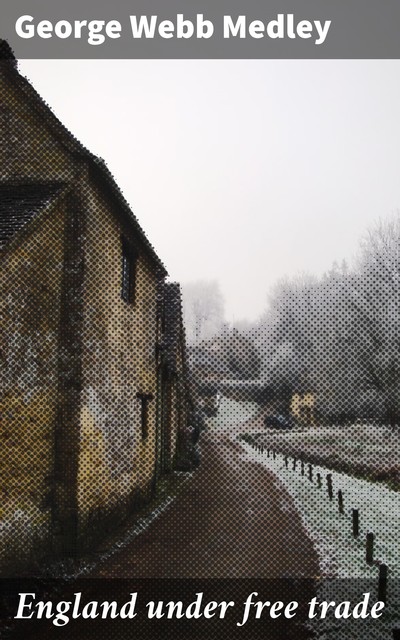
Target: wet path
{"points": [[232, 530], [232, 520]]}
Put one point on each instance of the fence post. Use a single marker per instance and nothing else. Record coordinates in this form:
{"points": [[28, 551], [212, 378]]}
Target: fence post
{"points": [[340, 500], [369, 555], [310, 472], [319, 482], [356, 522], [382, 583], [330, 487]]}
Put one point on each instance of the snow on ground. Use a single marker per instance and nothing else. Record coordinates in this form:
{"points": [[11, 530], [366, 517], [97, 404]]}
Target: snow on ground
{"points": [[365, 450], [232, 412], [342, 556]]}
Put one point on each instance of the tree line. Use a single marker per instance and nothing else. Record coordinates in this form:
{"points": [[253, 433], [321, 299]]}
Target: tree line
{"points": [[339, 335]]}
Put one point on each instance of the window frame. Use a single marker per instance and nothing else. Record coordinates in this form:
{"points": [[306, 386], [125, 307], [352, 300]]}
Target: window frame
{"points": [[129, 259], [144, 399]]}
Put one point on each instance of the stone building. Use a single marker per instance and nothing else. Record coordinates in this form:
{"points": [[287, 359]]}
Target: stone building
{"points": [[302, 408], [83, 426], [177, 399]]}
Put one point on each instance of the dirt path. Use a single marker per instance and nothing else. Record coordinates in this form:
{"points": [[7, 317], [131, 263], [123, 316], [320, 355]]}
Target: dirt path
{"points": [[231, 531], [233, 520]]}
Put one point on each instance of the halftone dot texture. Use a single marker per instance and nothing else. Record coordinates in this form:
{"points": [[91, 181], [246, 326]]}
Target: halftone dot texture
{"points": [[95, 398], [102, 403]]}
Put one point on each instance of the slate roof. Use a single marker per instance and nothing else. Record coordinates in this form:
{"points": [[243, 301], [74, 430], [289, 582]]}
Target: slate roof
{"points": [[20, 204]]}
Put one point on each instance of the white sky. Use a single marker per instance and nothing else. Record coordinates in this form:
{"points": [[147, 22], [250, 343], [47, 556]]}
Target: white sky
{"points": [[240, 171]]}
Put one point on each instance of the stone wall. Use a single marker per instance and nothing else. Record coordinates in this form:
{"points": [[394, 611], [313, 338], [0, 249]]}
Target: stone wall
{"points": [[116, 460], [28, 148], [81, 389], [30, 297]]}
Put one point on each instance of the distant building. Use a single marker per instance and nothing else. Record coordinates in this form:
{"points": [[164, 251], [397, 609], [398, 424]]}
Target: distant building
{"points": [[227, 356], [302, 408]]}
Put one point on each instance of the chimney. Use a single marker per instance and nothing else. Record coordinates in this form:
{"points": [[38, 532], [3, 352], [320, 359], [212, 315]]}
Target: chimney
{"points": [[7, 54]]}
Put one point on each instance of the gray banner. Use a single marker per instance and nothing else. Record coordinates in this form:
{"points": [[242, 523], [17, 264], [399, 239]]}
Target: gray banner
{"points": [[283, 28]]}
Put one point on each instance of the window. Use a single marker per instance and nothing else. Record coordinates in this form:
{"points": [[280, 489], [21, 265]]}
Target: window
{"points": [[129, 259], [144, 399]]}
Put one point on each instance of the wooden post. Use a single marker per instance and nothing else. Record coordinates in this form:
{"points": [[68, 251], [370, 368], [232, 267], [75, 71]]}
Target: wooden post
{"points": [[382, 582], [369, 555], [330, 487], [356, 522], [310, 472], [302, 468], [286, 462], [319, 481], [274, 455], [340, 501], [267, 453], [294, 464]]}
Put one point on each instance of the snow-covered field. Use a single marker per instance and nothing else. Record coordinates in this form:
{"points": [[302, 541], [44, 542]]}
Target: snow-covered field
{"points": [[342, 556], [345, 575], [364, 450]]}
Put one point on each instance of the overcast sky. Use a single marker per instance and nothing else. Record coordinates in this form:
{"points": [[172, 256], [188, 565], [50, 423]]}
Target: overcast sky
{"points": [[240, 171]]}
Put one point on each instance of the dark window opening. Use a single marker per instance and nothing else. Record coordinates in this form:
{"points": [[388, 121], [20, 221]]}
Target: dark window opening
{"points": [[129, 259], [144, 398]]}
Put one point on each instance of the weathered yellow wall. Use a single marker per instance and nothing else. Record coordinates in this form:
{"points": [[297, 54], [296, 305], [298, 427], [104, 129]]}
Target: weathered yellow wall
{"points": [[302, 407], [30, 288], [118, 340], [27, 147], [118, 361]]}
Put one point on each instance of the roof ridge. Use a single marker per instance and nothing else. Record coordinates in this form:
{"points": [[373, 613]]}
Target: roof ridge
{"points": [[71, 142]]}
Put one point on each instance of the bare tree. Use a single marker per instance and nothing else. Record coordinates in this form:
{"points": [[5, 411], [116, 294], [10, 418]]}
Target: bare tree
{"points": [[203, 310], [340, 335]]}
